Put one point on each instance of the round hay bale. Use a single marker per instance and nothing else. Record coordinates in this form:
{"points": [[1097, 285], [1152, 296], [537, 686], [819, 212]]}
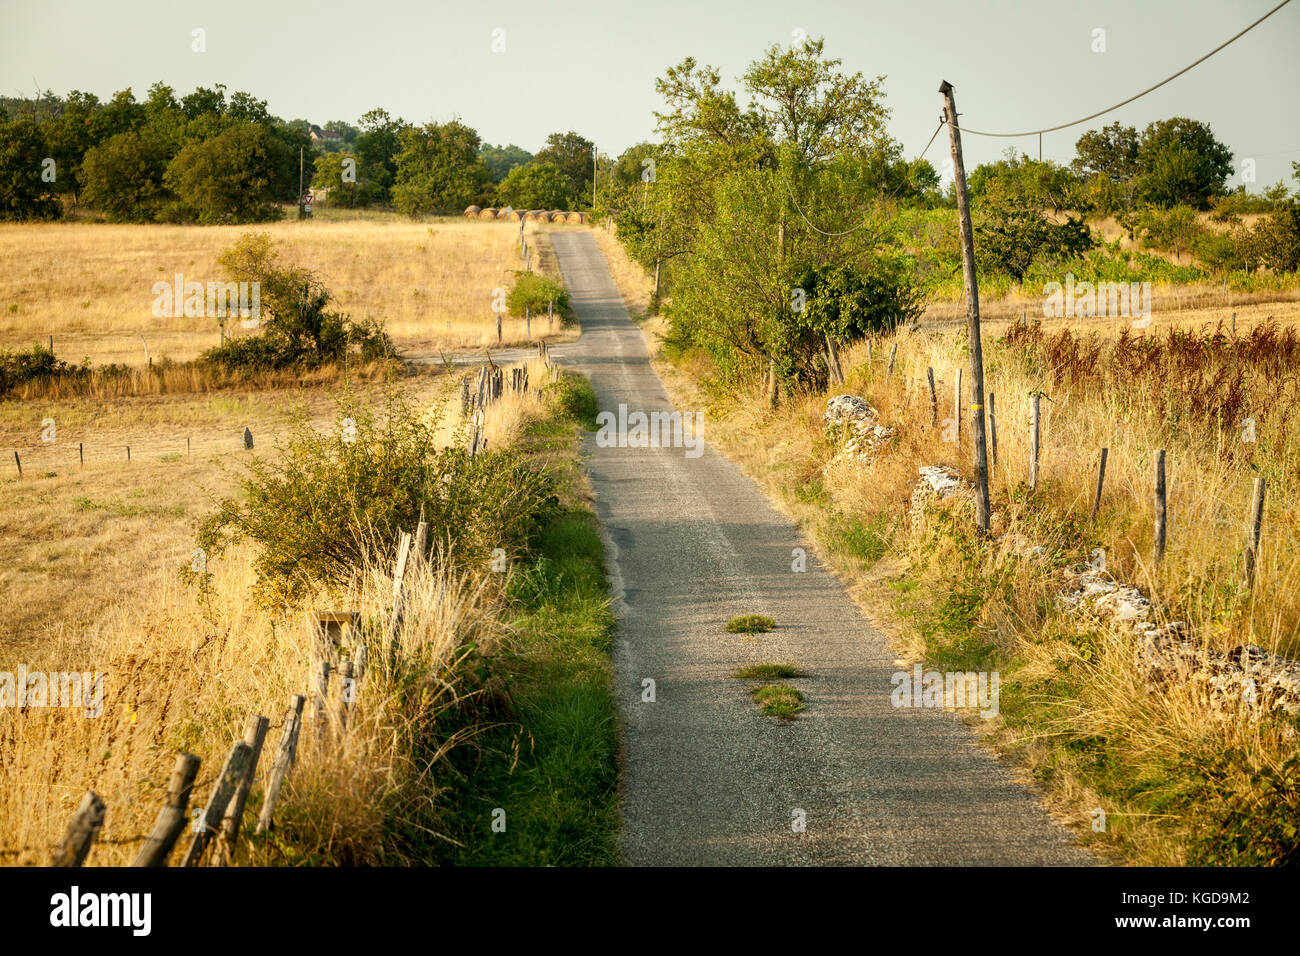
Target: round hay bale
{"points": [[534, 215], [471, 212], [488, 213], [504, 213], [555, 215], [514, 215], [573, 218]]}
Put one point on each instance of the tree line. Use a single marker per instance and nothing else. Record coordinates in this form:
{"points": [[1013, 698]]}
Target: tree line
{"points": [[207, 157]]}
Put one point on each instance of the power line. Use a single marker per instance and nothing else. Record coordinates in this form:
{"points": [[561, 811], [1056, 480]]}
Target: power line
{"points": [[1052, 129]]}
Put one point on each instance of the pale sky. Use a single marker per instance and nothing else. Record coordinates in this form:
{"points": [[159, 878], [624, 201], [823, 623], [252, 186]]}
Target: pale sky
{"points": [[591, 66]]}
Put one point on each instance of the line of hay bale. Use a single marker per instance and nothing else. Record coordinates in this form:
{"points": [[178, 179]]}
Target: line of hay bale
{"points": [[532, 215]]}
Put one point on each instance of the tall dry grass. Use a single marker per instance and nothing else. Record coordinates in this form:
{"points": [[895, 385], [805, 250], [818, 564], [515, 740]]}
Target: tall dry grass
{"points": [[184, 667]]}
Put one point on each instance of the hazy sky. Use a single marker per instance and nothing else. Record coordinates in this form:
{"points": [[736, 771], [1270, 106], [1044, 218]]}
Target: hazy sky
{"points": [[591, 66]]}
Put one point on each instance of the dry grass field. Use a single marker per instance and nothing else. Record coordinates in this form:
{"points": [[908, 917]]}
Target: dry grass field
{"points": [[75, 539], [90, 559], [90, 284]]}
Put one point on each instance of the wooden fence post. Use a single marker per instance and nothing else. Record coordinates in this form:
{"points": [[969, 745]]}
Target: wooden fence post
{"points": [[893, 354], [934, 401], [254, 737], [1254, 527], [19, 462], [399, 593], [209, 822], [1101, 479], [993, 429], [170, 823], [464, 396], [81, 832], [347, 694], [81, 450], [1034, 435], [284, 755], [1160, 506], [771, 383], [322, 695], [550, 315]]}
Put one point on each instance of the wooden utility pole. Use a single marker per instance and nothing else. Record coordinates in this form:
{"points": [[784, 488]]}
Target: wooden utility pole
{"points": [[972, 312], [1160, 506]]}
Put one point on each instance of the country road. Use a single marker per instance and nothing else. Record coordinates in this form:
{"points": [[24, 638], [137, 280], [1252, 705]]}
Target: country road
{"points": [[708, 778]]}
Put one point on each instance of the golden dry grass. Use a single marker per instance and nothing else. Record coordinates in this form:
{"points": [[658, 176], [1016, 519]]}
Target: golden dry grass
{"points": [[90, 284], [95, 553]]}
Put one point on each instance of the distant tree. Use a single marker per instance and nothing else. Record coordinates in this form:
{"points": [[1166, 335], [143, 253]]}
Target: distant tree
{"points": [[1181, 164], [1175, 229], [23, 193], [124, 177], [236, 176], [538, 185], [572, 155], [1012, 235], [500, 160], [438, 169], [1275, 240], [377, 147], [1046, 185], [330, 170]]}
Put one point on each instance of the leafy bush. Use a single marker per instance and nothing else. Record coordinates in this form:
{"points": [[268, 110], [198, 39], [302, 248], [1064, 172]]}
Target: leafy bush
{"points": [[535, 292], [17, 368], [299, 328], [330, 498]]}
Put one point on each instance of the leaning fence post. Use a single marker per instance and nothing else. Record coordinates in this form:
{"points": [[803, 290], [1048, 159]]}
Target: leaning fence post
{"points": [[254, 737], [82, 831], [19, 462], [1033, 439], [284, 755], [1160, 505], [347, 694], [209, 822], [170, 823], [322, 694], [1253, 529], [1101, 479], [893, 354], [934, 401]]}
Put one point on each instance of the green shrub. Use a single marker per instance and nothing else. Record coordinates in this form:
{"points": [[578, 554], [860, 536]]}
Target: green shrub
{"points": [[298, 329], [535, 292], [18, 367], [325, 502]]}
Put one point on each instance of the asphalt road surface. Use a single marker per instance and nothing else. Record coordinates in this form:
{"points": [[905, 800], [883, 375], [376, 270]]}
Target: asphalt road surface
{"points": [[708, 779]]}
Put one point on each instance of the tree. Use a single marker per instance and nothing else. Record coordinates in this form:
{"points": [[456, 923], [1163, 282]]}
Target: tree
{"points": [[1012, 234], [1175, 229], [572, 155], [236, 176], [331, 170], [538, 185], [23, 193], [1046, 185], [438, 169], [377, 146], [124, 177], [500, 160], [1181, 164]]}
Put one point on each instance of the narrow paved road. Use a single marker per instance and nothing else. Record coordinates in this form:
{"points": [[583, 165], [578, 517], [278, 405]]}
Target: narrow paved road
{"points": [[708, 779]]}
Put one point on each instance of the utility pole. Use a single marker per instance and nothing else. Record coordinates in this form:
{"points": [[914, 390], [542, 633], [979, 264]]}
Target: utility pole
{"points": [[972, 313], [595, 166], [299, 182]]}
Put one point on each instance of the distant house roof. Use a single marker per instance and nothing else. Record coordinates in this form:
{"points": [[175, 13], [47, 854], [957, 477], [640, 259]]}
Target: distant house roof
{"points": [[318, 134]]}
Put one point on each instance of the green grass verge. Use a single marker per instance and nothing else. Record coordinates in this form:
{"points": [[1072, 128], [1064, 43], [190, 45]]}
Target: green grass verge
{"points": [[550, 760]]}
